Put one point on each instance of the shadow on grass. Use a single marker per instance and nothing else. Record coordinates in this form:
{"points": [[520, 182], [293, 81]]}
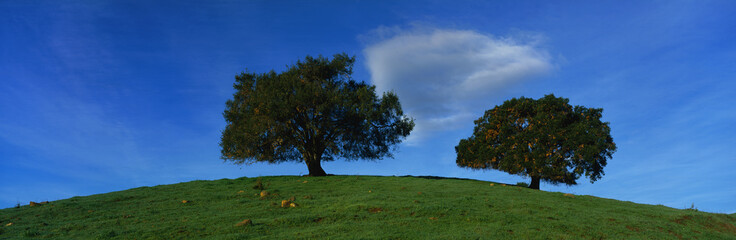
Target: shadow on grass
{"points": [[437, 177]]}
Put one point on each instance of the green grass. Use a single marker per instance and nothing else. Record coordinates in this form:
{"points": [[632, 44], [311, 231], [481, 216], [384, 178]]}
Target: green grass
{"points": [[355, 207]]}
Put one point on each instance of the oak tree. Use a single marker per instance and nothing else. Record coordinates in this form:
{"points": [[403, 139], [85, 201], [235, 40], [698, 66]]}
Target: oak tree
{"points": [[312, 112], [546, 139]]}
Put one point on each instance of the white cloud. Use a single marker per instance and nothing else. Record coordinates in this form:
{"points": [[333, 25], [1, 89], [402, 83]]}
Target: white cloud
{"points": [[445, 77]]}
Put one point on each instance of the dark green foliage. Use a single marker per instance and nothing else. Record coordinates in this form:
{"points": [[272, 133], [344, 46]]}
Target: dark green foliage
{"points": [[311, 112], [545, 139], [30, 233], [259, 185]]}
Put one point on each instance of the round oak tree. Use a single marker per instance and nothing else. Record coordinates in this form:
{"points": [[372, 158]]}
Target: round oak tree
{"points": [[545, 139], [312, 112]]}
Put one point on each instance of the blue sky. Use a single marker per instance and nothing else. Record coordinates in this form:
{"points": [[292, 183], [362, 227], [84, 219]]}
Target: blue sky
{"points": [[100, 96]]}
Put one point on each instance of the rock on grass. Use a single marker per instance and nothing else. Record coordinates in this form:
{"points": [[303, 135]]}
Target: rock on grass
{"points": [[246, 222]]}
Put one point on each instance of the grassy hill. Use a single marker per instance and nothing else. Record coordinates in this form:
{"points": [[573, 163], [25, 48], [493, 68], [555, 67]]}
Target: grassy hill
{"points": [[354, 207]]}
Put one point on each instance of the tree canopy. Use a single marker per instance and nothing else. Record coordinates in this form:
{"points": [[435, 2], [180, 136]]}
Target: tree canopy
{"points": [[312, 112], [545, 139]]}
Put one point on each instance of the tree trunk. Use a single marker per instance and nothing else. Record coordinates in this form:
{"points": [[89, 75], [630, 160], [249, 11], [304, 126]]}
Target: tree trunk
{"points": [[535, 183], [314, 165]]}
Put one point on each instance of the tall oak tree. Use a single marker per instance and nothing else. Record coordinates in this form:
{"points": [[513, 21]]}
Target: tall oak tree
{"points": [[312, 112], [546, 139]]}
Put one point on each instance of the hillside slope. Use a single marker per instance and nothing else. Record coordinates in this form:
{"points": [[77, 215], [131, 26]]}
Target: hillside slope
{"points": [[354, 207]]}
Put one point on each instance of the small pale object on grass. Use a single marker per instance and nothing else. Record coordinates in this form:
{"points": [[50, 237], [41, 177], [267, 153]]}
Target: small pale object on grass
{"points": [[375, 210], [9, 224], [246, 222], [184, 201]]}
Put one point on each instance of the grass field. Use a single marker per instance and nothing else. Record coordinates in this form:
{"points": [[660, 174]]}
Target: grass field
{"points": [[354, 207]]}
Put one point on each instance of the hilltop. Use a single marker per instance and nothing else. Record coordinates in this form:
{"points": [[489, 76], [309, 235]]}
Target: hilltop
{"points": [[371, 207]]}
